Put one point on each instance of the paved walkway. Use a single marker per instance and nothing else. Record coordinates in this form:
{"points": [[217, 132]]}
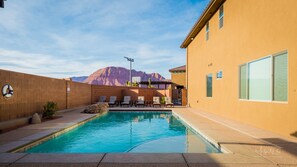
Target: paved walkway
{"points": [[244, 145]]}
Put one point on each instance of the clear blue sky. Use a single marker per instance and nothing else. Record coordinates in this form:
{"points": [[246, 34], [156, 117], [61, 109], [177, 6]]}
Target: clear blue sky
{"points": [[64, 38]]}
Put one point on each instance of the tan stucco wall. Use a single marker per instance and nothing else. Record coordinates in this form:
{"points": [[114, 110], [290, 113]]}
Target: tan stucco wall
{"points": [[80, 94], [252, 29], [179, 78], [32, 92]]}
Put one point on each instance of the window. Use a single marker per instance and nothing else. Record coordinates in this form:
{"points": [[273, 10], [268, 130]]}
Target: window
{"points": [[280, 80], [220, 74], [265, 79], [259, 75], [209, 85], [221, 16], [243, 82], [207, 31]]}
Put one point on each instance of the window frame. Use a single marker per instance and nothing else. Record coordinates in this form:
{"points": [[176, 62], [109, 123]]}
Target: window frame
{"points": [[272, 56]]}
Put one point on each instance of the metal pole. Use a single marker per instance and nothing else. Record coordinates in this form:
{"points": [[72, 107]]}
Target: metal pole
{"points": [[130, 73], [131, 60]]}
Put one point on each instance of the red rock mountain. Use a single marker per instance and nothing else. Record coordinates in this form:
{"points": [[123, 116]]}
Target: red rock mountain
{"points": [[117, 76]]}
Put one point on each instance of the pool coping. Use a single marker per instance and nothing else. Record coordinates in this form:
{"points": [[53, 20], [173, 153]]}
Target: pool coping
{"points": [[236, 155], [23, 148], [38, 141], [209, 139]]}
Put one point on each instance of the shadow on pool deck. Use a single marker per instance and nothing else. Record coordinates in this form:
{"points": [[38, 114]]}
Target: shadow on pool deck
{"points": [[262, 149]]}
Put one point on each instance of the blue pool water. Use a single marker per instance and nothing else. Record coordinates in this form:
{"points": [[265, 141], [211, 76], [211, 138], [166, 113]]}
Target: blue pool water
{"points": [[137, 132]]}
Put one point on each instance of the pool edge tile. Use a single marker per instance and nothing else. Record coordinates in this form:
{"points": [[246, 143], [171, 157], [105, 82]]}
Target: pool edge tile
{"points": [[54, 164], [12, 145], [202, 158], [144, 158], [11, 157], [142, 165], [60, 158]]}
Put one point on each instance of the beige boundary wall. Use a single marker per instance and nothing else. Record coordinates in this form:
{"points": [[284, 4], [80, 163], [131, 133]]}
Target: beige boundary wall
{"points": [[31, 93], [252, 30]]}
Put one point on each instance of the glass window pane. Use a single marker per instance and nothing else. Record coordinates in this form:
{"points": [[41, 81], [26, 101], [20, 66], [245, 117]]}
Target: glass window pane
{"points": [[221, 22], [209, 85], [221, 11], [243, 82], [221, 17], [207, 31], [280, 83], [260, 79]]}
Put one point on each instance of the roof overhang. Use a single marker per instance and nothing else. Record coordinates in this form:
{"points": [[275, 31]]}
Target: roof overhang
{"points": [[210, 10], [180, 68]]}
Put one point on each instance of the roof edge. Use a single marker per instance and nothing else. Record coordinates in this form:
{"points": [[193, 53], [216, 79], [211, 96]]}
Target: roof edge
{"points": [[206, 15], [180, 68]]}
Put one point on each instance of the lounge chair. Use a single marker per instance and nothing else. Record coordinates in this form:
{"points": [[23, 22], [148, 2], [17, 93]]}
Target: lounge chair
{"points": [[156, 101], [140, 101], [102, 99], [168, 102], [112, 100], [127, 100]]}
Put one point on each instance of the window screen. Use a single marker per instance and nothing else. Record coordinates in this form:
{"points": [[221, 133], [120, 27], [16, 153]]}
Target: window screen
{"points": [[243, 82], [280, 80]]}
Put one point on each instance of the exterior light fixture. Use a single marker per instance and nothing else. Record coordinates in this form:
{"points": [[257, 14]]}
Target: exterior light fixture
{"points": [[1, 3]]}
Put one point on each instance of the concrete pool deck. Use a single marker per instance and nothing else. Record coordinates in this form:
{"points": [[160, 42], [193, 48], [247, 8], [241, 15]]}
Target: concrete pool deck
{"points": [[245, 145]]}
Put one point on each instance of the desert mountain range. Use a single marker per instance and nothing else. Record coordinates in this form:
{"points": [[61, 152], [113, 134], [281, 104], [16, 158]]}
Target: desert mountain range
{"points": [[115, 76]]}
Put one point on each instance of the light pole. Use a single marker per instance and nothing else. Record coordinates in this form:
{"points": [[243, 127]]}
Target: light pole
{"points": [[131, 60]]}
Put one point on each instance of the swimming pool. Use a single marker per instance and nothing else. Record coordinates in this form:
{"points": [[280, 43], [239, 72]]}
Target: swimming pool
{"points": [[135, 132]]}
